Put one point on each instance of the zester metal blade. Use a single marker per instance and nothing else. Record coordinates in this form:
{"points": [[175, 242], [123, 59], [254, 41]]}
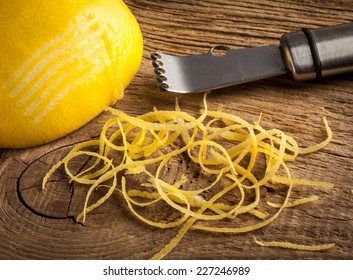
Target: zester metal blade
{"points": [[203, 72]]}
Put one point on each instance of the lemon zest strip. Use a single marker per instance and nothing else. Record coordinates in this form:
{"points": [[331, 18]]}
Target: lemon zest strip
{"points": [[293, 246]]}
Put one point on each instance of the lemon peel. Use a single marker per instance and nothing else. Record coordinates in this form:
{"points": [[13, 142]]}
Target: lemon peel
{"points": [[225, 149]]}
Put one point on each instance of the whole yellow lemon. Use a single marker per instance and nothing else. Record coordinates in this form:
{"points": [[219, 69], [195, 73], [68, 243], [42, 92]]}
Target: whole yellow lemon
{"points": [[61, 63]]}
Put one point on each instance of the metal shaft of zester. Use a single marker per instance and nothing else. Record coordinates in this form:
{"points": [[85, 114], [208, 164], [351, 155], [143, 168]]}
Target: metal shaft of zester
{"points": [[317, 53]]}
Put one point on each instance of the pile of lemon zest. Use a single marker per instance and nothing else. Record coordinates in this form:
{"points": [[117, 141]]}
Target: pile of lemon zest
{"points": [[289, 245], [153, 140]]}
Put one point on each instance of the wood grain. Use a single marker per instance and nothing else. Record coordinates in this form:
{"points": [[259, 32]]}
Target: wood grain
{"points": [[37, 224]]}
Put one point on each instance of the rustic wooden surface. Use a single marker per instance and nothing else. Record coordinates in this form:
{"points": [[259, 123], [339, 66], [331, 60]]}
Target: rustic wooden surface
{"points": [[39, 225]]}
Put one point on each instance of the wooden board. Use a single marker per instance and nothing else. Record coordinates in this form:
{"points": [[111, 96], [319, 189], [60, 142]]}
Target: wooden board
{"points": [[37, 224]]}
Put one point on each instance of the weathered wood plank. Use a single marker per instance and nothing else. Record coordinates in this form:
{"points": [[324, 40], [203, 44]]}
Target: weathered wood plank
{"points": [[39, 225]]}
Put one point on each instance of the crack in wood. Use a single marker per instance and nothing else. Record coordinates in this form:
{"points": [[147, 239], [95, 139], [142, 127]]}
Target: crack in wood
{"points": [[24, 202]]}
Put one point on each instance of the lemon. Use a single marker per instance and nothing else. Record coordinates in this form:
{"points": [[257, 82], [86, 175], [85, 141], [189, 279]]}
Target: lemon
{"points": [[61, 63]]}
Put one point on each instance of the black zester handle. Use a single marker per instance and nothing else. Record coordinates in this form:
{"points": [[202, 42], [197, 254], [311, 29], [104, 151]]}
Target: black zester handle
{"points": [[317, 53]]}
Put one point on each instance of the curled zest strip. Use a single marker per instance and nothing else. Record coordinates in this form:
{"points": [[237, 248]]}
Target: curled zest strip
{"points": [[236, 157], [288, 245]]}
